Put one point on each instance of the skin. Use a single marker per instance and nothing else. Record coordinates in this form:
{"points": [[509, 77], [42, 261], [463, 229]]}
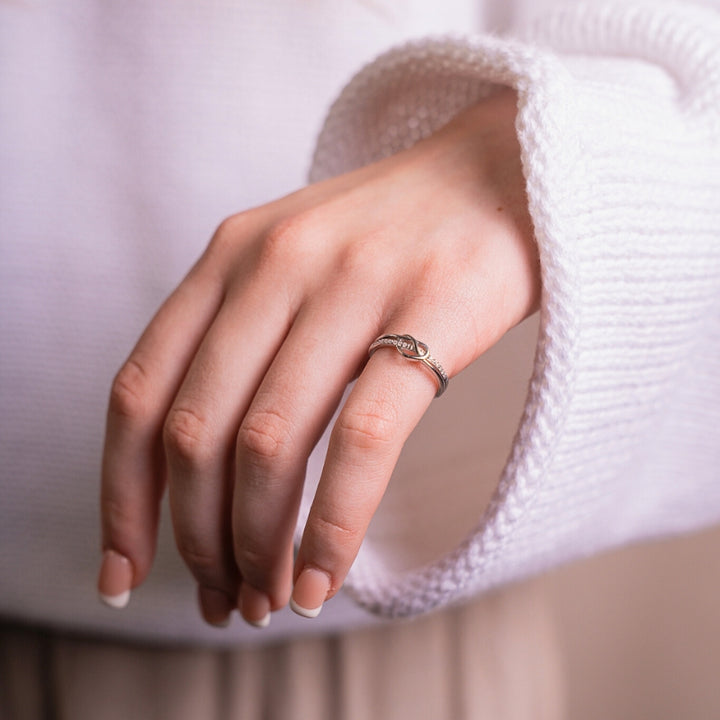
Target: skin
{"points": [[241, 369]]}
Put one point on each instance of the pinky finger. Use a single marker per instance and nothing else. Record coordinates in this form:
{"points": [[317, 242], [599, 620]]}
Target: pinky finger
{"points": [[133, 475]]}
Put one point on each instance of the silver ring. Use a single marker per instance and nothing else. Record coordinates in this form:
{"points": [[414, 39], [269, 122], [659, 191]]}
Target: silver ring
{"points": [[415, 350]]}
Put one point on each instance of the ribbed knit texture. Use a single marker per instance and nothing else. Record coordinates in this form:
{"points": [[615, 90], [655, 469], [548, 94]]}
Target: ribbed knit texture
{"points": [[619, 120]]}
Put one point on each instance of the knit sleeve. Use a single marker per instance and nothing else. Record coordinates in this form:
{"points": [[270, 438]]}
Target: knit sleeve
{"points": [[619, 125]]}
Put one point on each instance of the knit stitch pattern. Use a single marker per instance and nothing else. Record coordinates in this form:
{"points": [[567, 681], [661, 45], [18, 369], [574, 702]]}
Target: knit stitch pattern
{"points": [[619, 125]]}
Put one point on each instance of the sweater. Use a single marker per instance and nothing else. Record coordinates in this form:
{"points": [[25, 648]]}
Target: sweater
{"points": [[128, 134]]}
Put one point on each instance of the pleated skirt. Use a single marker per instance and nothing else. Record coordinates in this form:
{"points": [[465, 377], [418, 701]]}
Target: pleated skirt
{"points": [[496, 658]]}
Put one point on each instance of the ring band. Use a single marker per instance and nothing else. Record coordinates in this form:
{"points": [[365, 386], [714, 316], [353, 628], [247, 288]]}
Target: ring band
{"points": [[415, 350]]}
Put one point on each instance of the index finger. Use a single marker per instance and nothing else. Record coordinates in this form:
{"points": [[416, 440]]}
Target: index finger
{"points": [[388, 400]]}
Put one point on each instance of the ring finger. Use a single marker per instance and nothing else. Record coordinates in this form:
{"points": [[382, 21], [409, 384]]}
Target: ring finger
{"points": [[387, 402]]}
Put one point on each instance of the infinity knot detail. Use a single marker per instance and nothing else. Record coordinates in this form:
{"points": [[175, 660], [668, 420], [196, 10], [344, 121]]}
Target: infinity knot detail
{"points": [[416, 351]]}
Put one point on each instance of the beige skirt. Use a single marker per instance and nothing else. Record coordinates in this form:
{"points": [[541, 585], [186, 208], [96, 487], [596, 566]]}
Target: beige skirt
{"points": [[494, 658]]}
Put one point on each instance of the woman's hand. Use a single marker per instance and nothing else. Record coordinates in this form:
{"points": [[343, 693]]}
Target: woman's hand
{"points": [[235, 379]]}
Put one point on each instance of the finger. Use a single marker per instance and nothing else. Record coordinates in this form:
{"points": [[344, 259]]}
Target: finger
{"points": [[292, 407], [388, 400], [202, 424], [132, 468]]}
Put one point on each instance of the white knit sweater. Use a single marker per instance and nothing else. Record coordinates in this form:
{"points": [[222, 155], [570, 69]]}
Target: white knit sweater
{"points": [[621, 150], [619, 124]]}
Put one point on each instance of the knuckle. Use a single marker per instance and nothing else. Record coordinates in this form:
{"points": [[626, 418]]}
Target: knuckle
{"points": [[226, 233], [287, 238], [368, 428], [367, 257], [336, 532], [130, 392], [221, 254], [187, 436], [264, 436], [250, 557], [436, 268], [257, 565], [228, 226], [354, 258], [202, 561]]}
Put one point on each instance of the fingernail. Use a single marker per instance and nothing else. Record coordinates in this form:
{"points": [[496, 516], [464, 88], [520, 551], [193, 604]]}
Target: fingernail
{"points": [[215, 606], [115, 579], [254, 606], [310, 592]]}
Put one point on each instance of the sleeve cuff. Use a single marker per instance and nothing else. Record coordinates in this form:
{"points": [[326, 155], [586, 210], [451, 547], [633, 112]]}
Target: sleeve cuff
{"points": [[618, 126]]}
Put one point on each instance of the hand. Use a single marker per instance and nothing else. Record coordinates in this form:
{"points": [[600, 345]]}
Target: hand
{"points": [[236, 377]]}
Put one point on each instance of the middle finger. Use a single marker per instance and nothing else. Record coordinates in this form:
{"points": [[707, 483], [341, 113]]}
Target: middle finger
{"points": [[291, 409]]}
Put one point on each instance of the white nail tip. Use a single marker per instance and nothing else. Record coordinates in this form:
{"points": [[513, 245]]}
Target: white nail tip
{"points": [[305, 612], [221, 623], [116, 601], [262, 623]]}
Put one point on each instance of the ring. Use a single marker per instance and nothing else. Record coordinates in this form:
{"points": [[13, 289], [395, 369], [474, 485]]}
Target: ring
{"points": [[415, 350]]}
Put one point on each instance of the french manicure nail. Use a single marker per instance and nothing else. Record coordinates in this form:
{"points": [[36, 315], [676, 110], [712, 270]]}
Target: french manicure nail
{"points": [[215, 606], [263, 622], [310, 592], [115, 579], [254, 606]]}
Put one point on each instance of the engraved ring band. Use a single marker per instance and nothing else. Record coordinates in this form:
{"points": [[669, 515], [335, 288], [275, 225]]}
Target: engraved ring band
{"points": [[415, 350]]}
